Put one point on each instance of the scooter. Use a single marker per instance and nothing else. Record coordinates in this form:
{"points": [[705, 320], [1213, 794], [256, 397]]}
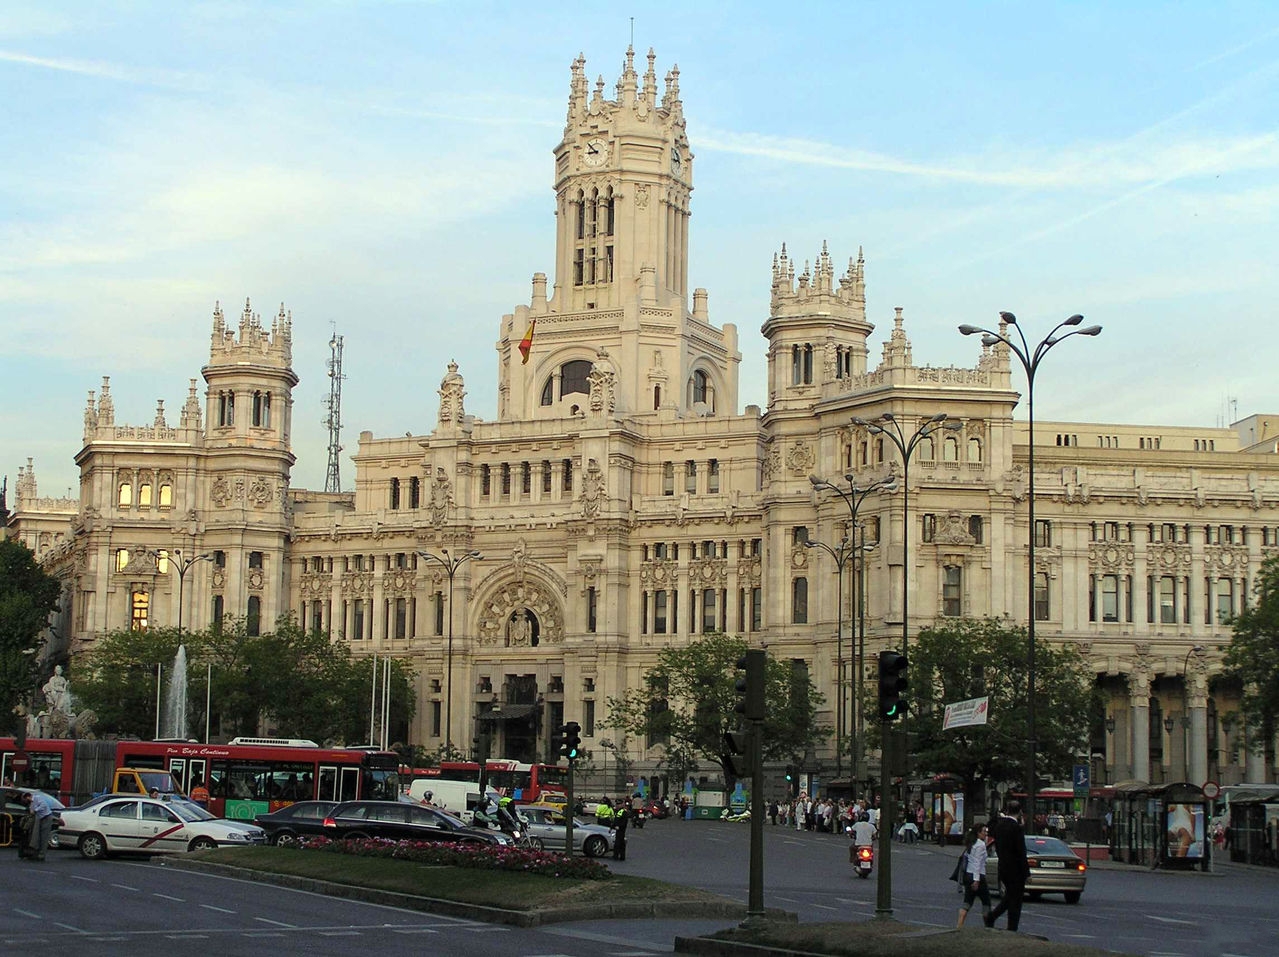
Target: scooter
{"points": [[863, 858]]}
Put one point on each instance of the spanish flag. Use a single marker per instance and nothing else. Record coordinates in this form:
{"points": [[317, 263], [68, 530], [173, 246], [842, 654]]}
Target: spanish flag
{"points": [[526, 343]]}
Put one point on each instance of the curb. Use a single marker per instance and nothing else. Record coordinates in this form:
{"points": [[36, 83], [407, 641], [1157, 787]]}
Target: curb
{"points": [[611, 910]]}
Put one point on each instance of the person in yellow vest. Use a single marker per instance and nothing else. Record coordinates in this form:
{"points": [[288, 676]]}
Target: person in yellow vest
{"points": [[604, 815]]}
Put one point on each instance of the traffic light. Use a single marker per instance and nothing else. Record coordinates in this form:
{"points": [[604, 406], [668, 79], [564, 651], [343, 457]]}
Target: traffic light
{"points": [[737, 754], [790, 779], [750, 686], [892, 682], [572, 740]]}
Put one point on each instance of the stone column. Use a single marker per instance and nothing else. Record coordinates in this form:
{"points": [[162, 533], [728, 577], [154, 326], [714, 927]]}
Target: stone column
{"points": [[1139, 710], [1255, 763]]}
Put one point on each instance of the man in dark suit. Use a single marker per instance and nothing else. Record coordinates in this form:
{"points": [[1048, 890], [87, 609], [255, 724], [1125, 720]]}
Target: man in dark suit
{"points": [[1014, 870]]}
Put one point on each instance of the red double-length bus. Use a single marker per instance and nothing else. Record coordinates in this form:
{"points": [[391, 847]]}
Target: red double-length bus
{"points": [[523, 783], [246, 777]]}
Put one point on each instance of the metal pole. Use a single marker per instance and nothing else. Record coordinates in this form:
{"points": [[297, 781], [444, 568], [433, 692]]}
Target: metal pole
{"points": [[373, 699], [159, 681], [839, 643], [884, 886], [448, 693], [755, 903], [1030, 617], [208, 697]]}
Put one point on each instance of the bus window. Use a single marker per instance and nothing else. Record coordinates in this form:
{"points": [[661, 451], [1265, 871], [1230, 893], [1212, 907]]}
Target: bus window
{"points": [[328, 790], [350, 784]]}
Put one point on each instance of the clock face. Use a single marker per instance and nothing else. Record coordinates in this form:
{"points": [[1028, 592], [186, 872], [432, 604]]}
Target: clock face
{"points": [[596, 152]]}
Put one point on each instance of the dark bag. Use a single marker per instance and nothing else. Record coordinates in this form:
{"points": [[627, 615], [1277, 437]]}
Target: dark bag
{"points": [[961, 868]]}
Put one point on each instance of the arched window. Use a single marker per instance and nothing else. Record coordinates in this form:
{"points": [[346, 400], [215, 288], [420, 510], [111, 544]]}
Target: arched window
{"points": [[927, 451], [226, 409], [144, 495], [166, 495], [573, 377], [657, 397], [974, 450], [548, 391], [126, 494], [262, 410], [950, 450], [700, 382]]}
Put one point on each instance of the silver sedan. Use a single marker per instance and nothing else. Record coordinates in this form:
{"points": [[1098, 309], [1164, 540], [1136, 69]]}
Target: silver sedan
{"points": [[546, 830]]}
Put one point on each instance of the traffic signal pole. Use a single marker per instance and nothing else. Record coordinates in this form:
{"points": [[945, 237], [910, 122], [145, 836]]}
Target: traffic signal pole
{"points": [[884, 886], [755, 897]]}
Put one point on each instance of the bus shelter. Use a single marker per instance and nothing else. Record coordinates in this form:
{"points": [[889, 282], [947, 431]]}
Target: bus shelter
{"points": [[1254, 823], [1162, 825], [942, 798]]}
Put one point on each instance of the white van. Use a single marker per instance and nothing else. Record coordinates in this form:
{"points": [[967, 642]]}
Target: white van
{"points": [[459, 798]]}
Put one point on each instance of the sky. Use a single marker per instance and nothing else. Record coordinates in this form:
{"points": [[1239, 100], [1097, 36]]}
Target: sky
{"points": [[384, 169]]}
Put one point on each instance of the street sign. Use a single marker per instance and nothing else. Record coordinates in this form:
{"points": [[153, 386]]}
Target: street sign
{"points": [[1211, 790], [962, 714], [1082, 779], [20, 762]]}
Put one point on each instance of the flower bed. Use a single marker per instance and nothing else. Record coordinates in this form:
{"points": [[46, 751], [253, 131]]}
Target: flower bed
{"points": [[480, 856]]}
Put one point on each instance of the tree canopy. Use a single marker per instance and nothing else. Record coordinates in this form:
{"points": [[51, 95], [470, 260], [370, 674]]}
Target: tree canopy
{"points": [[28, 596], [968, 658], [1252, 657], [688, 699], [298, 682]]}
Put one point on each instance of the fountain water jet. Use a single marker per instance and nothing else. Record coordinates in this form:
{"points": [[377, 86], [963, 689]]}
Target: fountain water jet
{"points": [[175, 698]]}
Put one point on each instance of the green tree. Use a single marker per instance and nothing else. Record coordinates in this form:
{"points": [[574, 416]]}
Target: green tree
{"points": [[299, 682], [1252, 657], [28, 597], [688, 700], [968, 658]]}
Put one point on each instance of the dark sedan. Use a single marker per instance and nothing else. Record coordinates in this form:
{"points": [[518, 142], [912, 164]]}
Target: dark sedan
{"points": [[302, 819], [398, 821]]}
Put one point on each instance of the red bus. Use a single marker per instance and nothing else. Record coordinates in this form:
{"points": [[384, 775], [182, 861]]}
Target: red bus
{"points": [[247, 777], [252, 776], [523, 783]]}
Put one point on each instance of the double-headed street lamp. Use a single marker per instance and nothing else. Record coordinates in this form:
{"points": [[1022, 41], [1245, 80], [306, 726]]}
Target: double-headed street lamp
{"points": [[184, 565], [1185, 714], [1030, 360], [906, 445], [853, 498], [450, 564], [841, 553]]}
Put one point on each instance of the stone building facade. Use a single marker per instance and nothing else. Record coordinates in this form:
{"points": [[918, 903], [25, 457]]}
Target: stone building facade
{"points": [[620, 503]]}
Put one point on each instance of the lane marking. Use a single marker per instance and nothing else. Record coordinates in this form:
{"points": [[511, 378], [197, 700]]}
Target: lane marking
{"points": [[125, 887], [220, 910], [414, 930], [27, 913], [89, 880], [70, 927], [1171, 920], [277, 923], [169, 897], [828, 906], [339, 933]]}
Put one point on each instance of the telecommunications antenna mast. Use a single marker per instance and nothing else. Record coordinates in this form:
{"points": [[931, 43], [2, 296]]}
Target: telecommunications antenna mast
{"points": [[332, 477]]}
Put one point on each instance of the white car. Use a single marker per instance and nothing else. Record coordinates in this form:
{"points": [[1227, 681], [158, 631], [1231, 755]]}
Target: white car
{"points": [[130, 824]]}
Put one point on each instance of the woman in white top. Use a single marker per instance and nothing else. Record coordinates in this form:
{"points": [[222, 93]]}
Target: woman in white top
{"points": [[974, 876]]}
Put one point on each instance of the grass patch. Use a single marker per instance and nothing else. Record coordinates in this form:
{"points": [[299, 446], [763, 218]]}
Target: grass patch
{"points": [[890, 938], [489, 888]]}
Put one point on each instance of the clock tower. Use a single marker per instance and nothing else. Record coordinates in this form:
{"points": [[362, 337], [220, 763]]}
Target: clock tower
{"points": [[619, 301]]}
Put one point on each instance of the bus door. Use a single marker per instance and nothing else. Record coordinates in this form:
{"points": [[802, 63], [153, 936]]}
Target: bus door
{"points": [[178, 768], [196, 771], [349, 784]]}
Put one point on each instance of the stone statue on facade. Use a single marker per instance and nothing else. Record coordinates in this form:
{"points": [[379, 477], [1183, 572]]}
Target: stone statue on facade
{"points": [[520, 631], [441, 497], [451, 392], [57, 692], [592, 490], [603, 383]]}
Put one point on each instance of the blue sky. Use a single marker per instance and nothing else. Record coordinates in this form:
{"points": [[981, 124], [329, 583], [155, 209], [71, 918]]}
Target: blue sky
{"points": [[386, 167]]}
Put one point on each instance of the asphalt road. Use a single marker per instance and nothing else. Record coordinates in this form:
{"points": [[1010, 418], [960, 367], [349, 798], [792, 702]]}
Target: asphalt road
{"points": [[1228, 913]]}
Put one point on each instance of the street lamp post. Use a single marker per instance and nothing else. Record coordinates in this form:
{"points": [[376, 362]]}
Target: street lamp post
{"points": [[841, 553], [1030, 360], [888, 813], [859, 675], [853, 498], [184, 565], [450, 564]]}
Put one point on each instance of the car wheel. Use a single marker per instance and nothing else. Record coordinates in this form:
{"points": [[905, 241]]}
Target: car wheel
{"points": [[93, 846], [536, 843], [203, 844], [1072, 897], [284, 839], [594, 846]]}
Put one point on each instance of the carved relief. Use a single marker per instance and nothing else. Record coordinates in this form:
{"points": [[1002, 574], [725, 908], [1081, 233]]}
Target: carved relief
{"points": [[749, 570], [519, 612], [256, 579], [799, 557], [659, 573], [451, 393], [954, 530], [220, 493], [357, 584], [441, 497], [800, 458], [592, 490], [1111, 555], [641, 196], [1226, 559], [260, 492], [1169, 557], [399, 583]]}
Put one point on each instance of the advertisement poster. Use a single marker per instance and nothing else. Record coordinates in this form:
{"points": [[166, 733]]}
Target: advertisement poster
{"points": [[1185, 830], [949, 809]]}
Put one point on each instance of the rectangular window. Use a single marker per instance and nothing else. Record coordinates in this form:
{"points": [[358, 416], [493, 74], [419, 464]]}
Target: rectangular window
{"points": [[317, 616], [690, 477], [799, 601], [566, 483], [659, 612], [710, 619], [1225, 600], [592, 609], [668, 478], [437, 712], [1109, 597], [218, 608], [255, 559], [799, 536], [140, 610], [757, 608], [712, 476], [401, 618], [975, 528], [588, 718], [253, 617], [951, 592], [437, 601], [506, 478], [1043, 532], [929, 530], [526, 478], [1041, 596], [546, 476], [486, 480], [1167, 600], [357, 619], [415, 492], [395, 493]]}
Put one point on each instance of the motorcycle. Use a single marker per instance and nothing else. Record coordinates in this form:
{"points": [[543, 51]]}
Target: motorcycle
{"points": [[639, 818], [863, 859]]}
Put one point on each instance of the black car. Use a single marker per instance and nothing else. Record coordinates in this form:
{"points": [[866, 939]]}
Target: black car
{"points": [[302, 819], [399, 821]]}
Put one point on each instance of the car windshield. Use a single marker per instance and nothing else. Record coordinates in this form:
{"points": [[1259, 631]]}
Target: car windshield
{"points": [[189, 811], [1049, 846], [449, 819]]}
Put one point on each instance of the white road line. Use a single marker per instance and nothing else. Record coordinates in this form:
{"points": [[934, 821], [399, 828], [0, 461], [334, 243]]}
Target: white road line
{"points": [[169, 897], [27, 913], [88, 880], [277, 923], [414, 930], [220, 910], [828, 906], [70, 927], [1170, 920], [126, 887], [339, 933], [187, 936], [262, 934]]}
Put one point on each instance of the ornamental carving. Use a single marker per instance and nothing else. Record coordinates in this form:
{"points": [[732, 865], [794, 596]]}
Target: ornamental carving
{"points": [[399, 582], [1170, 557], [659, 572], [314, 586], [954, 530], [590, 569], [357, 584], [520, 614], [749, 571], [452, 391], [220, 493], [1111, 555], [260, 492], [641, 196], [219, 578], [592, 490], [709, 571], [441, 497], [772, 463], [799, 557], [800, 458], [1226, 559], [256, 579]]}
